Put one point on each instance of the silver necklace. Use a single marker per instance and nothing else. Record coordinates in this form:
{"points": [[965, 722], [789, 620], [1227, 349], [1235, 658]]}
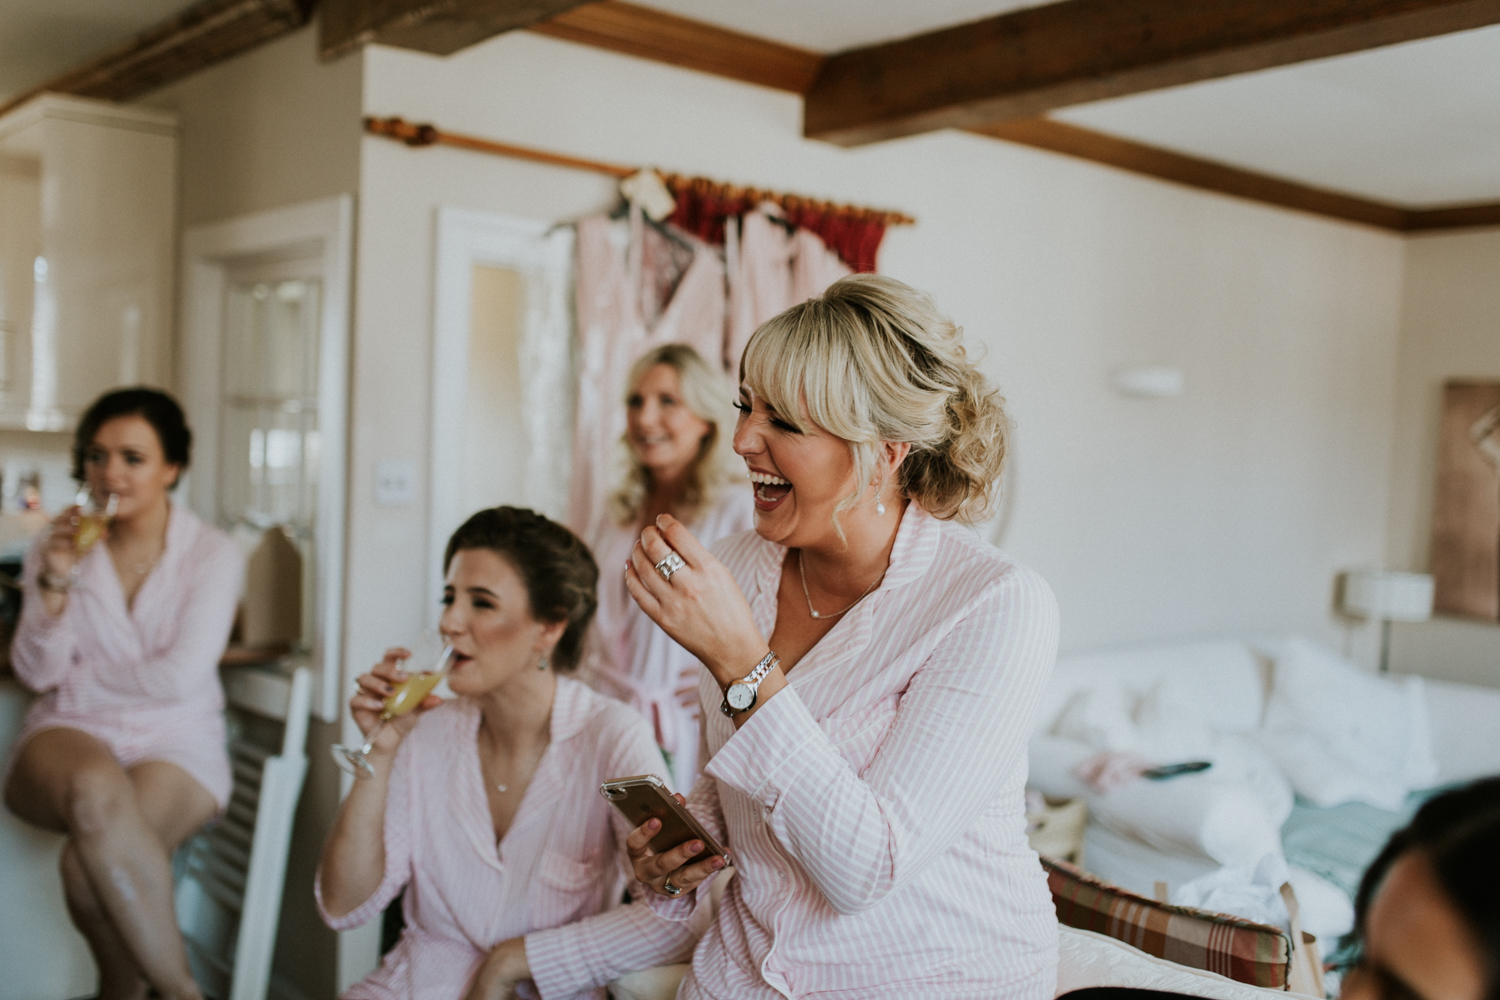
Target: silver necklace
{"points": [[802, 572]]}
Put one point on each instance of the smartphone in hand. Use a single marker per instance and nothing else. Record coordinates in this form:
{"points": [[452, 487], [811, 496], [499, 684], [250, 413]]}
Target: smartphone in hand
{"points": [[645, 796]]}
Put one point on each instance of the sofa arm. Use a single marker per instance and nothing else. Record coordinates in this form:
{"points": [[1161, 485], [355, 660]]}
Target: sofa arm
{"points": [[1465, 721]]}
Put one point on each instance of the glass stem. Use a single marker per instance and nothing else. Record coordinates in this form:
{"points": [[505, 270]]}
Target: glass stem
{"points": [[364, 751]]}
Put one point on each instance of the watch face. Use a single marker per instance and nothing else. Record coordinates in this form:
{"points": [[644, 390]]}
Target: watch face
{"points": [[740, 696]]}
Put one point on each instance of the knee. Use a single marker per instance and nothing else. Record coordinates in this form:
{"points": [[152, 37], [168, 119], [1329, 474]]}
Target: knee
{"points": [[96, 799]]}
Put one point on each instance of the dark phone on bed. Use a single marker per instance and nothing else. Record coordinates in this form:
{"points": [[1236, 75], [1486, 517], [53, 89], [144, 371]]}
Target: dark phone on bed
{"points": [[1173, 770], [642, 796]]}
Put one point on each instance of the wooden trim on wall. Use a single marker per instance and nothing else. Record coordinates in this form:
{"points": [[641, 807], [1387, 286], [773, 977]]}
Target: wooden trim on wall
{"points": [[1028, 62], [680, 41], [206, 33], [1453, 217]]}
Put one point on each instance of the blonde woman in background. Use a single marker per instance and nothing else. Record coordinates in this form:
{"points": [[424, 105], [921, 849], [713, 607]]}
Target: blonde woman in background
{"points": [[873, 672], [674, 408]]}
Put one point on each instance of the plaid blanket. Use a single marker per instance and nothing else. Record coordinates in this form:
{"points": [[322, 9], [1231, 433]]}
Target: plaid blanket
{"points": [[1240, 949]]}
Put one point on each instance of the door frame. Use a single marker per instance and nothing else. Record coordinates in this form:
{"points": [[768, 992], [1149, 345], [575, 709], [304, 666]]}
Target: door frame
{"points": [[543, 254], [323, 230]]}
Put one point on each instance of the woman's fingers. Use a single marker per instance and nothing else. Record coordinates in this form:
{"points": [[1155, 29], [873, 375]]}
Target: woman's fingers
{"points": [[643, 596], [676, 534], [638, 844], [655, 547]]}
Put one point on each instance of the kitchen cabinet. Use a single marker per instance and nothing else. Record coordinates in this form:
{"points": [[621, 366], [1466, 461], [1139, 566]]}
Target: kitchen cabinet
{"points": [[87, 233]]}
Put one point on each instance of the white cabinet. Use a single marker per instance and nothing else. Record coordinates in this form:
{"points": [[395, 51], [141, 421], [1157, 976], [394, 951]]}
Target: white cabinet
{"points": [[87, 223]]}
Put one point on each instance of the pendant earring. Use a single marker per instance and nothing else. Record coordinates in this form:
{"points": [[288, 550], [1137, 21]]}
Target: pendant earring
{"points": [[879, 503], [542, 663]]}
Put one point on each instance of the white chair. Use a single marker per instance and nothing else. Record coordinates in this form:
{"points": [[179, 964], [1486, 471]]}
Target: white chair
{"points": [[229, 892]]}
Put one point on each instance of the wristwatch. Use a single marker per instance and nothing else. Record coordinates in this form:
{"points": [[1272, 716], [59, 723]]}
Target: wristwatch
{"points": [[58, 583], [740, 696]]}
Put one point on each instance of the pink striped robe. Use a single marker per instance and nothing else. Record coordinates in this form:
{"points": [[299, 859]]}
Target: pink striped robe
{"points": [[142, 679], [874, 807], [556, 876]]}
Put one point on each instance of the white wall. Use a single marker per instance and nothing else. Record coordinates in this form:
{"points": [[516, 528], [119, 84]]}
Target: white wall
{"points": [[1227, 510], [1450, 328]]}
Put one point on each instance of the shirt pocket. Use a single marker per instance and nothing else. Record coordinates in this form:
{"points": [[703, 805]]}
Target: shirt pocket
{"points": [[567, 889]]}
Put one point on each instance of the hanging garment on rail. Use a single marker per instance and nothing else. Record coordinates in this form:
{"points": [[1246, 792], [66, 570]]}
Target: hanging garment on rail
{"points": [[636, 289], [770, 270]]}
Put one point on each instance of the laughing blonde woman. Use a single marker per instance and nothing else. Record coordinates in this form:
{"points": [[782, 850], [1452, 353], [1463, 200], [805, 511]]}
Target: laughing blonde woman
{"points": [[873, 672], [674, 408]]}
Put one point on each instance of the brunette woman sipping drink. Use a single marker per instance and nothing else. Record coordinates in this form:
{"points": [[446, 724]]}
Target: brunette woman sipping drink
{"points": [[486, 809], [127, 606]]}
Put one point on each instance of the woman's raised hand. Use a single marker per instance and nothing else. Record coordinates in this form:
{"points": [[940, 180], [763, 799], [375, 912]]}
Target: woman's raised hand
{"points": [[373, 688], [60, 554], [655, 869], [701, 606]]}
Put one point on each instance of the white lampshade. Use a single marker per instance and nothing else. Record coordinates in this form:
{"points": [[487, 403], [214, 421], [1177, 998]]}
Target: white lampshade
{"points": [[1388, 595]]}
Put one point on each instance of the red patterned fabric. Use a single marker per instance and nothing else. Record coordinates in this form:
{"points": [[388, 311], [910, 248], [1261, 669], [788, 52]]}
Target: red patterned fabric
{"points": [[1240, 949], [702, 207]]}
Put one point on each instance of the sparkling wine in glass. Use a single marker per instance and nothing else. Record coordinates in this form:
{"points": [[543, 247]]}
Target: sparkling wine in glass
{"points": [[93, 519], [431, 667]]}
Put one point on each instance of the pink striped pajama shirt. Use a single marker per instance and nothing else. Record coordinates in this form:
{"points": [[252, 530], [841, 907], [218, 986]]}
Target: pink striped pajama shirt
{"points": [[143, 679], [555, 877], [874, 807]]}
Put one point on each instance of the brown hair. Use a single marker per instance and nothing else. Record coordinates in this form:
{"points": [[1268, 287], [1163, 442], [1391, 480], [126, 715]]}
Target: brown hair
{"points": [[556, 567]]}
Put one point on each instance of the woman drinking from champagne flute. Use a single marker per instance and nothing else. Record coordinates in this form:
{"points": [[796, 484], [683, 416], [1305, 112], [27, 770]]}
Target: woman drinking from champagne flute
{"points": [[873, 672], [122, 627], [486, 809], [674, 406]]}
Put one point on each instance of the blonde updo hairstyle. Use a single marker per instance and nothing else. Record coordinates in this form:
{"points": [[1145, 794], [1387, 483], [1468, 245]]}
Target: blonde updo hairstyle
{"points": [[873, 361], [707, 395]]}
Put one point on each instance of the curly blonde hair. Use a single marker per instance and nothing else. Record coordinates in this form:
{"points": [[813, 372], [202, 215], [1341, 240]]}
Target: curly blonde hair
{"points": [[707, 396], [873, 361]]}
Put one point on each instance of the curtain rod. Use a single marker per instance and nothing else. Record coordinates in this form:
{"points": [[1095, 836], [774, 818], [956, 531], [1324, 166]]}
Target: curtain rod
{"points": [[431, 135]]}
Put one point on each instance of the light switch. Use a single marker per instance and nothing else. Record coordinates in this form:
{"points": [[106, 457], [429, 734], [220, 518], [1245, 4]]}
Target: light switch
{"points": [[395, 482]]}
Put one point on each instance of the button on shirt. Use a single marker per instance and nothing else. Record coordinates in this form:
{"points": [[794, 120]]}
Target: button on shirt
{"points": [[874, 807], [554, 877]]}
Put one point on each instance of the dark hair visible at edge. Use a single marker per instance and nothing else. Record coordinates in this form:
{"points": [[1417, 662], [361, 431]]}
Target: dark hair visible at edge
{"points": [[1459, 833], [555, 566], [155, 407]]}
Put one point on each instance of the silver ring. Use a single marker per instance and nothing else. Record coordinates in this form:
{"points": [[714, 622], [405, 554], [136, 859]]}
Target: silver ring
{"points": [[667, 886], [671, 564]]}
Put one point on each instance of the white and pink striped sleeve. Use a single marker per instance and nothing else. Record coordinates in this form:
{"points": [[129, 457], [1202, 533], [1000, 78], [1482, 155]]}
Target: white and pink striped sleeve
{"points": [[397, 836], [44, 648], [958, 739]]}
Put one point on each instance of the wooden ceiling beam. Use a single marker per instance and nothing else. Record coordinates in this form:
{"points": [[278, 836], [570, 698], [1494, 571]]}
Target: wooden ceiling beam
{"points": [[1206, 175], [441, 27], [680, 41], [1028, 62], [206, 33]]}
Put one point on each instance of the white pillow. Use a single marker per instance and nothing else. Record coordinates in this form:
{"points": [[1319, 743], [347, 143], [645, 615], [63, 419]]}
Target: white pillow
{"points": [[1194, 814], [1342, 734]]}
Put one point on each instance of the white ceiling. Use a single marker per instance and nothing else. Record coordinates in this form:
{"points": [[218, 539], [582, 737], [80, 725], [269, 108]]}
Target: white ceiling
{"points": [[834, 25], [1416, 124], [40, 39]]}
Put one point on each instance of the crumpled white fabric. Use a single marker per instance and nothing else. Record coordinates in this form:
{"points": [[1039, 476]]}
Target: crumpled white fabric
{"points": [[1252, 893]]}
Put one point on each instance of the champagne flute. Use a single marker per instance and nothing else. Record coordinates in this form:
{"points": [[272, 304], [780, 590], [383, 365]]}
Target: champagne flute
{"points": [[405, 698], [93, 519]]}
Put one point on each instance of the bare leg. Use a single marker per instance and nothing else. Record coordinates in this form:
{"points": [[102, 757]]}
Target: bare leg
{"points": [[66, 779], [119, 977]]}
